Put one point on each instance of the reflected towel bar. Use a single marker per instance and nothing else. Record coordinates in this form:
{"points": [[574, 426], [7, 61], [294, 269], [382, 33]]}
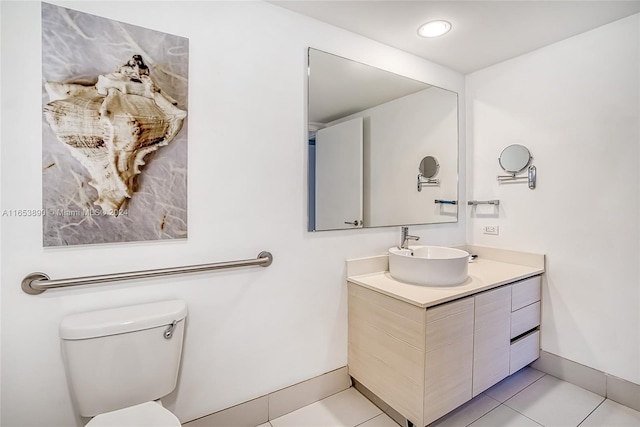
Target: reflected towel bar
{"points": [[446, 202], [36, 283]]}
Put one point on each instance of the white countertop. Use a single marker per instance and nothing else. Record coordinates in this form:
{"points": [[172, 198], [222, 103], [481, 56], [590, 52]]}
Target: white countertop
{"points": [[483, 274]]}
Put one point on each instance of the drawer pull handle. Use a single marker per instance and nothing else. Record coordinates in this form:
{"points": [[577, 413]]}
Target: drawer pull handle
{"points": [[524, 335]]}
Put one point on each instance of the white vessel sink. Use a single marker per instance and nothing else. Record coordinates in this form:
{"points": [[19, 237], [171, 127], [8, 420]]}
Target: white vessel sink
{"points": [[429, 265]]}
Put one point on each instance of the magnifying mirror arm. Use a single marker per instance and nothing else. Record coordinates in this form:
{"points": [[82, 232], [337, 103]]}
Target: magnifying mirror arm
{"points": [[531, 177], [422, 181], [511, 177]]}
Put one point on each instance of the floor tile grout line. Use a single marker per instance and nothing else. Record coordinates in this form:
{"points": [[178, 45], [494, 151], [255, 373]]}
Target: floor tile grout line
{"points": [[333, 394], [536, 380], [603, 399], [502, 404], [594, 409], [467, 425], [377, 415], [309, 404], [515, 394], [370, 401], [524, 415], [484, 415], [486, 395], [540, 424], [366, 421]]}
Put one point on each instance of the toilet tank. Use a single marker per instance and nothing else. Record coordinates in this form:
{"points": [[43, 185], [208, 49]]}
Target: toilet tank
{"points": [[120, 357]]}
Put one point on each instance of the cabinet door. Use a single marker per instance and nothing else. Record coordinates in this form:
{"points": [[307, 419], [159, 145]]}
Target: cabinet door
{"points": [[492, 338], [448, 357], [386, 349]]}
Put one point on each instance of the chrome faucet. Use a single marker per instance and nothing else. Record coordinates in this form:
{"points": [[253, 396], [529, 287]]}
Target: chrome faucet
{"points": [[405, 237]]}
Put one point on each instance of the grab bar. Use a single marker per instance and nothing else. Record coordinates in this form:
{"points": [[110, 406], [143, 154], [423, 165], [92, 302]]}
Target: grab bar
{"points": [[36, 283]]}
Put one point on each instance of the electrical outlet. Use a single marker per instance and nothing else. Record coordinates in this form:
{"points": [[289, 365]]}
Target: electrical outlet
{"points": [[491, 229]]}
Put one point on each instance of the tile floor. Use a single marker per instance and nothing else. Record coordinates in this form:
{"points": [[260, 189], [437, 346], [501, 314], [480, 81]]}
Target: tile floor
{"points": [[528, 398]]}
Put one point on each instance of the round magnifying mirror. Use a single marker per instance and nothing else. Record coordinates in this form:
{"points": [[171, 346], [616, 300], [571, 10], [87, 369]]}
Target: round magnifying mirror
{"points": [[515, 158], [429, 167]]}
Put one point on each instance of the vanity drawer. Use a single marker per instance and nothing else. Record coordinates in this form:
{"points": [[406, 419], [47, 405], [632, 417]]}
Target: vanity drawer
{"points": [[525, 319], [524, 351], [525, 293]]}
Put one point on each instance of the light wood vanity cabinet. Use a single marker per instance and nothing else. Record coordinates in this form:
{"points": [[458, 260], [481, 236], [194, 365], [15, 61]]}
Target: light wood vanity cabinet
{"points": [[448, 355], [426, 362], [491, 338]]}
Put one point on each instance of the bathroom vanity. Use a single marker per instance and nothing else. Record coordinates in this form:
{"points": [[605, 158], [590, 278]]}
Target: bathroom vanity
{"points": [[427, 350]]}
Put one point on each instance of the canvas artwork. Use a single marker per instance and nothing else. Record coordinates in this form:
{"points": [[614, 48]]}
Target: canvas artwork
{"points": [[114, 130]]}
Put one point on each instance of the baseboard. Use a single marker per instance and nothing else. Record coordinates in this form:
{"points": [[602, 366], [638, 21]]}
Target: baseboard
{"points": [[617, 389], [280, 402]]}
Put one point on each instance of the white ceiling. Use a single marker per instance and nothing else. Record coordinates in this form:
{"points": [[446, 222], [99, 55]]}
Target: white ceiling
{"points": [[484, 32]]}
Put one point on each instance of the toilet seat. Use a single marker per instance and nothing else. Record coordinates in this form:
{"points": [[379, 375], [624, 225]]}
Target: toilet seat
{"points": [[148, 414]]}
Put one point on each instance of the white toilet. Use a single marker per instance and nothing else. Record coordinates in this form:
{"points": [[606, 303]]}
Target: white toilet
{"points": [[120, 361]]}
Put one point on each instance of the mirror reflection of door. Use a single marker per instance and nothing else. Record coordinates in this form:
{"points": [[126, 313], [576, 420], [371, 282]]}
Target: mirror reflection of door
{"points": [[339, 176]]}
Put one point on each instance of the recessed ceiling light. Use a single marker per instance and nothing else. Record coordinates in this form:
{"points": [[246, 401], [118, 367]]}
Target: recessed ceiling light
{"points": [[434, 28]]}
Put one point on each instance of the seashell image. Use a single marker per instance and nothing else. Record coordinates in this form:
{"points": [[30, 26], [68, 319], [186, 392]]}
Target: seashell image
{"points": [[111, 126]]}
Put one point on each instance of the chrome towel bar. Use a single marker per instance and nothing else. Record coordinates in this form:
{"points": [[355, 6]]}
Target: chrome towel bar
{"points": [[483, 202], [36, 283]]}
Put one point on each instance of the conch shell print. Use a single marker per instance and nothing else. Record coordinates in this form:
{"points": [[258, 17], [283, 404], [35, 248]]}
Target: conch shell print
{"points": [[111, 126]]}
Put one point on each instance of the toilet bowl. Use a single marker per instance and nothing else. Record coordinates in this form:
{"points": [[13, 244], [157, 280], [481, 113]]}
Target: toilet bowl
{"points": [[121, 361]]}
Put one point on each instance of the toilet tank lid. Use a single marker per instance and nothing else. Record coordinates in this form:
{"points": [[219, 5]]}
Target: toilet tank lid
{"points": [[121, 320]]}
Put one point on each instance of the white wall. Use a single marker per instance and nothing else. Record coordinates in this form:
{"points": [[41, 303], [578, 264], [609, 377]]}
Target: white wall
{"points": [[250, 332], [576, 105]]}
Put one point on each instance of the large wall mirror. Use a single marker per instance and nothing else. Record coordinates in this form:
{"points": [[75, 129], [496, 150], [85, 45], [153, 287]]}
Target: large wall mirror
{"points": [[369, 131]]}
